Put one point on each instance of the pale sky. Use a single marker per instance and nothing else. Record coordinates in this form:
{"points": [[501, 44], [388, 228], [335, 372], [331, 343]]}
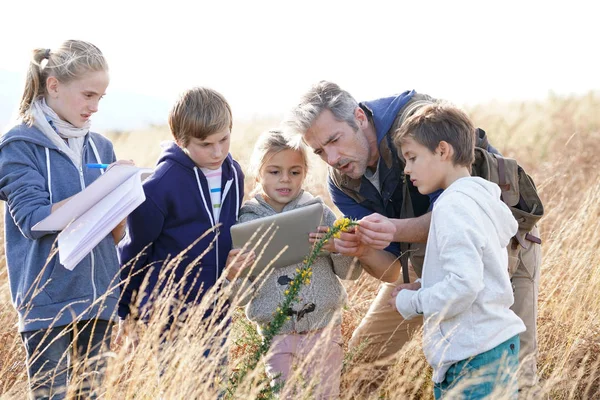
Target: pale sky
{"points": [[262, 55]]}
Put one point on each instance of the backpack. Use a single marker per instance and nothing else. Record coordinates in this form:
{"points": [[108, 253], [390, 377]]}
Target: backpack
{"points": [[518, 193]]}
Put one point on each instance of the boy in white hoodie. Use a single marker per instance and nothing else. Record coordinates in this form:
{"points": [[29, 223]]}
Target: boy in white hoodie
{"points": [[471, 337]]}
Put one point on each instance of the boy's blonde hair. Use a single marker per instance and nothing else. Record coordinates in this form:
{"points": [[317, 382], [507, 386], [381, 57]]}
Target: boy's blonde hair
{"points": [[70, 61], [198, 113], [437, 122], [267, 145]]}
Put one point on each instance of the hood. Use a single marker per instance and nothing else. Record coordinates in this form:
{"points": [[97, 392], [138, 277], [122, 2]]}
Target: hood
{"points": [[29, 134], [260, 208], [171, 152], [487, 195], [384, 111]]}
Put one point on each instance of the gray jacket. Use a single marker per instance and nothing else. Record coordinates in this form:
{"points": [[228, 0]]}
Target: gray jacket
{"points": [[320, 302]]}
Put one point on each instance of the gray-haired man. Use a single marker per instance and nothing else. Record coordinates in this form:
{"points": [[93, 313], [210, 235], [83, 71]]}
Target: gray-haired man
{"points": [[366, 182]]}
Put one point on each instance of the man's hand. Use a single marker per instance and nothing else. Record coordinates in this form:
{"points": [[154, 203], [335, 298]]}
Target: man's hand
{"points": [[404, 286], [376, 231], [237, 261]]}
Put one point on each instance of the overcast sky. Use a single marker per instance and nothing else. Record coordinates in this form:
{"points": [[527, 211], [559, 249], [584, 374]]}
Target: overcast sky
{"points": [[263, 54]]}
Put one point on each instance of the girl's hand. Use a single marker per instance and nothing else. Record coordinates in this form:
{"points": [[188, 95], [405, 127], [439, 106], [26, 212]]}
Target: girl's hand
{"points": [[404, 286], [121, 162], [119, 232], [237, 261], [314, 237]]}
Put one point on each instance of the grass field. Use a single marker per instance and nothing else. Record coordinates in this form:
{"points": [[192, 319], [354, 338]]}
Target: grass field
{"points": [[557, 141]]}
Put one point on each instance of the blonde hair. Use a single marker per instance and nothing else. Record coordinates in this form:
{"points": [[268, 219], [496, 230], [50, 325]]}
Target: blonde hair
{"points": [[198, 113], [72, 60], [267, 145]]}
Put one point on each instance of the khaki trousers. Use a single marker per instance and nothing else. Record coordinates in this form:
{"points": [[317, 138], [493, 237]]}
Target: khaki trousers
{"points": [[382, 332]]}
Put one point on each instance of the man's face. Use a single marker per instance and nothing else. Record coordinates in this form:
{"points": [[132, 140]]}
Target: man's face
{"points": [[339, 145]]}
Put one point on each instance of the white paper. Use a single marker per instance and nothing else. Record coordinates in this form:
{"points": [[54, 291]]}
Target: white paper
{"points": [[95, 212], [91, 195]]}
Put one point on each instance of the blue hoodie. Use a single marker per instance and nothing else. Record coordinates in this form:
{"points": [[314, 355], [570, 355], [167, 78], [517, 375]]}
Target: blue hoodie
{"points": [[388, 202], [177, 211], [34, 174]]}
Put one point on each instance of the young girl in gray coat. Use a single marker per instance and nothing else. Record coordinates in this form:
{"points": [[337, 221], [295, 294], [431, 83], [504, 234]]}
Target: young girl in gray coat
{"points": [[306, 339]]}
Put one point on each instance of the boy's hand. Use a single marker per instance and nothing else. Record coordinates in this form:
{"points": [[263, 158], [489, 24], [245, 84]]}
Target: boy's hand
{"points": [[127, 334], [314, 237], [376, 231], [404, 286], [236, 263]]}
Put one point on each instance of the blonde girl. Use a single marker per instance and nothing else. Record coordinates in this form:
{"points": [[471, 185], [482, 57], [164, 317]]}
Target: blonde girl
{"points": [[65, 317], [280, 172]]}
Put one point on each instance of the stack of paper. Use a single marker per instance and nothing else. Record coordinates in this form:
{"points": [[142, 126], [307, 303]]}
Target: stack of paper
{"points": [[93, 213]]}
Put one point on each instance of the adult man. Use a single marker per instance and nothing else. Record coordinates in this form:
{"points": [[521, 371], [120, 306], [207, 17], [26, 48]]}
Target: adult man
{"points": [[366, 182]]}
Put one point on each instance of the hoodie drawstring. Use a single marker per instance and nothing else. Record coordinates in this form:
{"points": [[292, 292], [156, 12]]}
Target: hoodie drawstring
{"points": [[237, 193], [96, 154], [48, 172], [210, 216]]}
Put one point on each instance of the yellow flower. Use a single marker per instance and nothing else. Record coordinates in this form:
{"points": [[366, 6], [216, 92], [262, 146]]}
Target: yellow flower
{"points": [[342, 223], [286, 292]]}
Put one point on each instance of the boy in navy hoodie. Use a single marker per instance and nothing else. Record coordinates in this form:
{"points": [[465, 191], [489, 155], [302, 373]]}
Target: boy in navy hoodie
{"points": [[196, 186]]}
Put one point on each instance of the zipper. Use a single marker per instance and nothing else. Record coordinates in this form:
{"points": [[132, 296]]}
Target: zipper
{"points": [[82, 182]]}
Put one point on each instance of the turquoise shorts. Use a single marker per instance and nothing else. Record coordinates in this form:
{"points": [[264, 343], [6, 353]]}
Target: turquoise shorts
{"points": [[477, 377]]}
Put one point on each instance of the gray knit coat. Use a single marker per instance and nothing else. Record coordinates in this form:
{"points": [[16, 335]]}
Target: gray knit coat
{"points": [[321, 301]]}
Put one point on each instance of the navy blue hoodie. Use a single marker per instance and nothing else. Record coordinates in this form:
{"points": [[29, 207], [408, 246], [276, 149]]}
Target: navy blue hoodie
{"points": [[177, 211]]}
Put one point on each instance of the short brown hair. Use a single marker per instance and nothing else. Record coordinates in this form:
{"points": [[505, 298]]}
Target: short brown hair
{"points": [[198, 113], [438, 122]]}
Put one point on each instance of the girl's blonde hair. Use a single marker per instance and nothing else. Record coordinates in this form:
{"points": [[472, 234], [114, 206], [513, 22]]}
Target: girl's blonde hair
{"points": [[70, 61], [267, 145]]}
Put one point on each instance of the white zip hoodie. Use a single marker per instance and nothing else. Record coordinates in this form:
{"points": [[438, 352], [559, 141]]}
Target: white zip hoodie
{"points": [[466, 291]]}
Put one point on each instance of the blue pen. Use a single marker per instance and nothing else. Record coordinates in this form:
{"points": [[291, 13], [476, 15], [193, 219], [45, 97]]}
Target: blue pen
{"points": [[104, 166]]}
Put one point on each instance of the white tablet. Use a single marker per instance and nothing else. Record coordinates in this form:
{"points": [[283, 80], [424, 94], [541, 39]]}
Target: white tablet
{"points": [[290, 229]]}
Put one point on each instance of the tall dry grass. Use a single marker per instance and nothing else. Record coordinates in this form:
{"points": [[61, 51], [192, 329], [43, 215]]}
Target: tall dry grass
{"points": [[556, 140]]}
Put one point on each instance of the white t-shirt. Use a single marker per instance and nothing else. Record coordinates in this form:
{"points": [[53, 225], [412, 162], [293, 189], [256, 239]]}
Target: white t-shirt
{"points": [[213, 176]]}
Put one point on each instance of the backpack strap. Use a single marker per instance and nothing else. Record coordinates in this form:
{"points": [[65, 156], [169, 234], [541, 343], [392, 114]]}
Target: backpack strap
{"points": [[502, 182], [406, 211]]}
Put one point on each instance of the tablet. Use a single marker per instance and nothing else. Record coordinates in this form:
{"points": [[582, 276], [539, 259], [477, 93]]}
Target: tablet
{"points": [[290, 228]]}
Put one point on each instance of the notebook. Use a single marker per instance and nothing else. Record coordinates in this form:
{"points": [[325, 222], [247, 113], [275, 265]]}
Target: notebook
{"points": [[290, 229], [90, 215]]}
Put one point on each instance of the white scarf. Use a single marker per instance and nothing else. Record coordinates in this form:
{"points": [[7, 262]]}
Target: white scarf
{"points": [[64, 131]]}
